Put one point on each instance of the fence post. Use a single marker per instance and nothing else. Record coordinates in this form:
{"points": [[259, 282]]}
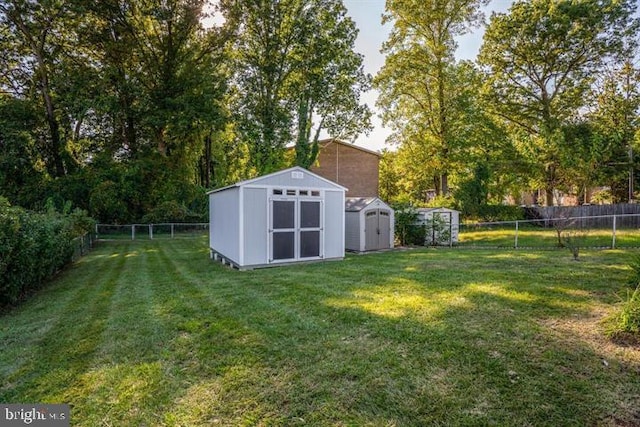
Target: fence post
{"points": [[133, 232], [151, 231], [613, 240], [516, 241], [172, 230]]}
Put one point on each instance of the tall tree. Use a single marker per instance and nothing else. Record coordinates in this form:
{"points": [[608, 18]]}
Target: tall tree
{"points": [[419, 85], [161, 72], [132, 92], [295, 70], [328, 81], [541, 58], [34, 35], [18, 170], [616, 119]]}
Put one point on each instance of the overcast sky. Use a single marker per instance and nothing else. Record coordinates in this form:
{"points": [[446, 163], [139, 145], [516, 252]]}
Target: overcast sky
{"points": [[367, 16]]}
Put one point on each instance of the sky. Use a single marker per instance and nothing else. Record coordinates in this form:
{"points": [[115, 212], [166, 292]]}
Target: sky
{"points": [[367, 17]]}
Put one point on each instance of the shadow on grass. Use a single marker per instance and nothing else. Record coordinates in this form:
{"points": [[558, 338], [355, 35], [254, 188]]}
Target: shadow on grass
{"points": [[413, 338]]}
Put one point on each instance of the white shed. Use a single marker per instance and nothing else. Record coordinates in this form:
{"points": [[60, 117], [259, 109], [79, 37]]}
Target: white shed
{"points": [[442, 225], [369, 224], [288, 216]]}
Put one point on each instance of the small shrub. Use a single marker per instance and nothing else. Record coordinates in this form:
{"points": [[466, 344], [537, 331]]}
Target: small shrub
{"points": [[408, 232], [634, 279], [438, 230], [491, 213], [624, 326], [574, 239]]}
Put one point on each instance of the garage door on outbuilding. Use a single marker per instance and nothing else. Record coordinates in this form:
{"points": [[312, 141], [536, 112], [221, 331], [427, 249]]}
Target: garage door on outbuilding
{"points": [[369, 224], [284, 217]]}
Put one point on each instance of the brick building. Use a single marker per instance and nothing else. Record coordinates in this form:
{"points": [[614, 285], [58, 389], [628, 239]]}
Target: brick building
{"points": [[350, 166]]}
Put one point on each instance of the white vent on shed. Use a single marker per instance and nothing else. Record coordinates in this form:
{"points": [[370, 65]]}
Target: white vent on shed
{"points": [[297, 175]]}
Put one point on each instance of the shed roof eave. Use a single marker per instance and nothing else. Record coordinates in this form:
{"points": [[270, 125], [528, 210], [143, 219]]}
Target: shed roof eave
{"points": [[358, 204], [293, 169], [426, 210]]}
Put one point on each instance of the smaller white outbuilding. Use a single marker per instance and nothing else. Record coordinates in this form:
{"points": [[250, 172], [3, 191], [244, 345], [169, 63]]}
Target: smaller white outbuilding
{"points": [[442, 225], [369, 224], [285, 217]]}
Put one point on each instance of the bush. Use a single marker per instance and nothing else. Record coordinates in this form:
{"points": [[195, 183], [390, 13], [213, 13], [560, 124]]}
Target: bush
{"points": [[491, 213], [406, 229], [634, 279], [437, 230], [33, 247], [108, 204], [172, 211], [624, 326], [442, 202]]}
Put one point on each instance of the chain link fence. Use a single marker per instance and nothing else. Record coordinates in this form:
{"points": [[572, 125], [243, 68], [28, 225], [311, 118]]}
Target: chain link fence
{"points": [[82, 245], [604, 231], [151, 231]]}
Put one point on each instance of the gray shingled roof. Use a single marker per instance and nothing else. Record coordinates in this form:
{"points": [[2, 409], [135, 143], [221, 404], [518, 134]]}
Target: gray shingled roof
{"points": [[356, 204]]}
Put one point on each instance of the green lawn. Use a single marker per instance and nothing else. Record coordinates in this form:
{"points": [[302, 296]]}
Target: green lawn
{"points": [[538, 237], [154, 333]]}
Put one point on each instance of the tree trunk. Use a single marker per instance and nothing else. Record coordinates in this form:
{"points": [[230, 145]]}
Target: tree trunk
{"points": [[162, 144], [444, 178], [54, 129], [548, 196], [444, 131], [130, 131], [550, 182], [206, 169], [129, 126], [37, 45], [437, 184]]}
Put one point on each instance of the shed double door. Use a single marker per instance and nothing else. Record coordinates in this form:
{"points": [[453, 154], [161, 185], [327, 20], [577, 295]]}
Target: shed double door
{"points": [[296, 229], [377, 231]]}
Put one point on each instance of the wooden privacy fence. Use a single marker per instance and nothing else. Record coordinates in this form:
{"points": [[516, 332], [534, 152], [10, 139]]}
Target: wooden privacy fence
{"points": [[599, 216]]}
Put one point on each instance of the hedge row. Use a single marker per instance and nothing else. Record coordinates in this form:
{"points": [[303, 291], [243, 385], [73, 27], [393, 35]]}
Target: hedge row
{"points": [[33, 247]]}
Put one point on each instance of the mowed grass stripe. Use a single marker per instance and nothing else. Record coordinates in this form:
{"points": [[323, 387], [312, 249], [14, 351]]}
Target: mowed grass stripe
{"points": [[238, 328], [133, 377], [64, 350]]}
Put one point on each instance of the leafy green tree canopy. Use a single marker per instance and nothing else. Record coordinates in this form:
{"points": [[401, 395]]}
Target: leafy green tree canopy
{"points": [[295, 69], [541, 58], [421, 93]]}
